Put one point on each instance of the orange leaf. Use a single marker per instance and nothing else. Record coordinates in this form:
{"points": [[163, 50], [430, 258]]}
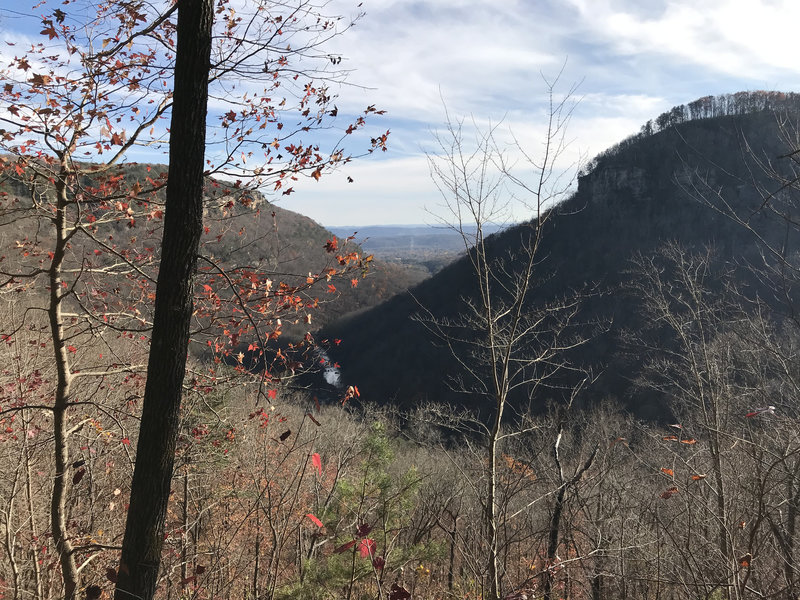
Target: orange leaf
{"points": [[317, 462], [667, 471], [689, 441], [315, 520], [698, 477]]}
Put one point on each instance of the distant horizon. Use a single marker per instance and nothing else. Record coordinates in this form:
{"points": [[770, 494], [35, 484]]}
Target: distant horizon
{"points": [[491, 226]]}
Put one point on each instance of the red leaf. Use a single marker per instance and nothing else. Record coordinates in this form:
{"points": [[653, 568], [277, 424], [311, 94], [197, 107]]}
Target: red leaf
{"points": [[317, 462], [669, 493], [345, 547], [378, 562], [50, 32], [745, 560], [272, 394], [398, 592], [72, 349], [39, 79], [126, 441], [94, 592], [315, 520], [78, 476], [367, 548]]}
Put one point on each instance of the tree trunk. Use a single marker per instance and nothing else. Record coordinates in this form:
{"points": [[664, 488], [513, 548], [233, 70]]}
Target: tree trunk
{"points": [[183, 222], [58, 497], [492, 507]]}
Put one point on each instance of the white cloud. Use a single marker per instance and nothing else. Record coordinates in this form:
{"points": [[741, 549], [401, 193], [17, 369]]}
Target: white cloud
{"points": [[636, 59], [743, 38]]}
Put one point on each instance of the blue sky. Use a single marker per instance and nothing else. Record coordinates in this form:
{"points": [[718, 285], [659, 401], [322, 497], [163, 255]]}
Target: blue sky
{"points": [[485, 59], [633, 59]]}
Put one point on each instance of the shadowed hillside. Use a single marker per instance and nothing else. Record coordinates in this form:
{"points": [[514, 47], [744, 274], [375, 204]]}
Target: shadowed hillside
{"points": [[636, 197]]}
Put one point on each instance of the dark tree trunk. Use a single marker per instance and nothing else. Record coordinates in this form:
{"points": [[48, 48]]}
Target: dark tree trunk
{"points": [[183, 221]]}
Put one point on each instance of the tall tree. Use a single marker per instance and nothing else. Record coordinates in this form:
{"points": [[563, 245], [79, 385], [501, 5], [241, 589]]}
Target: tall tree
{"points": [[95, 89], [183, 225], [505, 344]]}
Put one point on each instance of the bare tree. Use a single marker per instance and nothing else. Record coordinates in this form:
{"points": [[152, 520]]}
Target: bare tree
{"points": [[506, 344]]}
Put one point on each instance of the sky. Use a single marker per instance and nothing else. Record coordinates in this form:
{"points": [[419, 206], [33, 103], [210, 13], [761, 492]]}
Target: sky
{"points": [[631, 60], [487, 61]]}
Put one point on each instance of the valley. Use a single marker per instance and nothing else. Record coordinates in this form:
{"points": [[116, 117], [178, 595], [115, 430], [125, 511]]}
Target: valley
{"points": [[600, 402]]}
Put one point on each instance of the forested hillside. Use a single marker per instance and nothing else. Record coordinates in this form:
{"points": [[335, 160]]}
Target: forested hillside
{"points": [[241, 228], [680, 186]]}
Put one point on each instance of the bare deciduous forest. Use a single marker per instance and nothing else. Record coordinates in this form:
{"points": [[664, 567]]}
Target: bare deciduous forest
{"points": [[279, 487]]}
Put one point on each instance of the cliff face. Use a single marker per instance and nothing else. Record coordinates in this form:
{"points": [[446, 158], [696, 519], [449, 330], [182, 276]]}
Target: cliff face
{"points": [[605, 185]]}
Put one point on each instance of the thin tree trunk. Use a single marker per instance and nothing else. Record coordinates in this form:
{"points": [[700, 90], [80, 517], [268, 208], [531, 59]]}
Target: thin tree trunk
{"points": [[37, 572], [26, 465], [58, 497], [492, 508], [452, 557], [183, 222], [554, 532]]}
